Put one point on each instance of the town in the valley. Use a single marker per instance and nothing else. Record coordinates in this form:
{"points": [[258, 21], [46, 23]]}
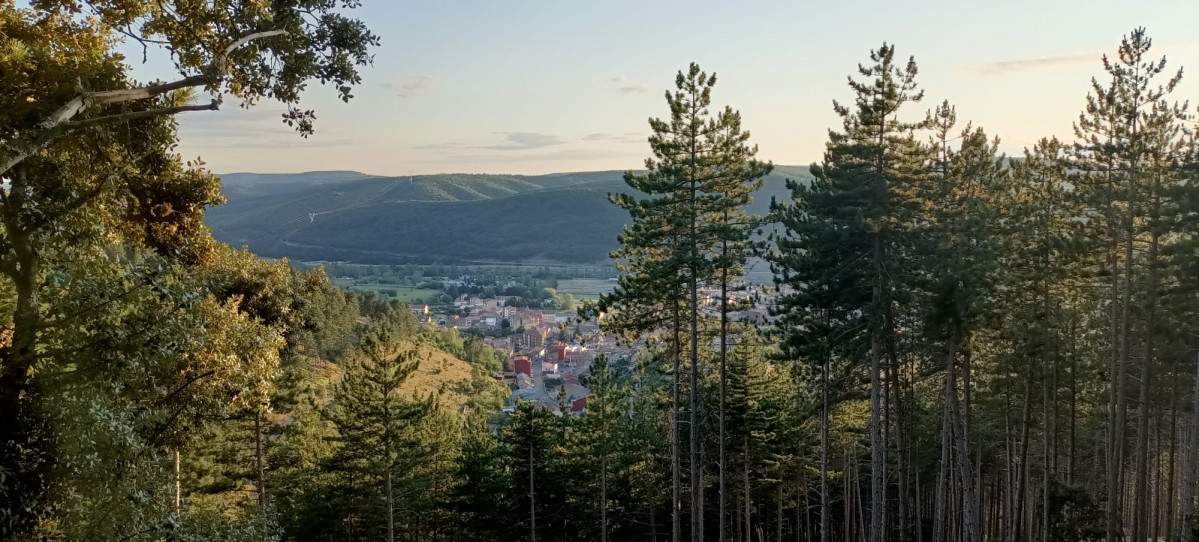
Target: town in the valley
{"points": [[548, 351]]}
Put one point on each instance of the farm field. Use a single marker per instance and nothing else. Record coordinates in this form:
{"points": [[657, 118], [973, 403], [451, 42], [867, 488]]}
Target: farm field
{"points": [[585, 288], [406, 294]]}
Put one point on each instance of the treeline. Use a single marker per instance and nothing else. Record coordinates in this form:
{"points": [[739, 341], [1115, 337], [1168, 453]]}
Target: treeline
{"points": [[968, 346]]}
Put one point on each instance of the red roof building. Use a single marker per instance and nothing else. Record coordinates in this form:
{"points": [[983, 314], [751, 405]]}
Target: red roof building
{"points": [[522, 365]]}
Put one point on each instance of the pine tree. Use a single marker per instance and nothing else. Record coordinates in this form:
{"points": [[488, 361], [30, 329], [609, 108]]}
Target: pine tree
{"points": [[859, 206], [1128, 131], [377, 423], [606, 405], [960, 237], [665, 254], [740, 176]]}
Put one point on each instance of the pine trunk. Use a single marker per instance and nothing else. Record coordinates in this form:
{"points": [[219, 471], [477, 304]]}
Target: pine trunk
{"points": [[532, 500], [391, 506], [676, 505], [1190, 465], [824, 442], [724, 318], [969, 501], [877, 461], [1143, 495]]}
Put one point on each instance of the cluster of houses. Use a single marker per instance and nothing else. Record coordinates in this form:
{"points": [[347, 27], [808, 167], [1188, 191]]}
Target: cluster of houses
{"points": [[548, 351], [545, 375]]}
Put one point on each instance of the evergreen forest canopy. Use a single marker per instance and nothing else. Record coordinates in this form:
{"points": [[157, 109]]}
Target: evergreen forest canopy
{"points": [[964, 346]]}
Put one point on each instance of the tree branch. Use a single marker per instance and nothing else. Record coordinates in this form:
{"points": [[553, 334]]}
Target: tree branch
{"points": [[75, 125], [59, 121]]}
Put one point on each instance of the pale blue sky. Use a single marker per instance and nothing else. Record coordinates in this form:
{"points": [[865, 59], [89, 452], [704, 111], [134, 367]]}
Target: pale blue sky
{"points": [[538, 86]]}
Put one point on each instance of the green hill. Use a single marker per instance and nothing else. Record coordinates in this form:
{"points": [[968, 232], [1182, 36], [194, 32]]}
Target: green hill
{"points": [[451, 218]]}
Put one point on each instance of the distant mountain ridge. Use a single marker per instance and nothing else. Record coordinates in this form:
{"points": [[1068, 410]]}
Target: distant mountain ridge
{"points": [[560, 218]]}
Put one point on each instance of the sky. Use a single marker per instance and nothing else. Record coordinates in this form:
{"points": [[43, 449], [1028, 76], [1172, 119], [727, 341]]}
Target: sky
{"points": [[542, 86]]}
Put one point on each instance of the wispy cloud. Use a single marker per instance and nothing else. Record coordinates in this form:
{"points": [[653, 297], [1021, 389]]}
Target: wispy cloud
{"points": [[563, 154], [258, 127], [412, 86], [625, 85], [519, 141], [1008, 67], [513, 141], [441, 146], [627, 137]]}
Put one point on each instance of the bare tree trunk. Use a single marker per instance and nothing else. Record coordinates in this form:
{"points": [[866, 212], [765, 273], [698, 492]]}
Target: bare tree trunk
{"points": [[1140, 520], [778, 514], [1047, 469], [745, 500], [697, 505], [848, 501], [653, 524], [962, 452], [877, 461], [900, 447], [604, 474], [942, 496], [1019, 494], [724, 319], [1073, 411], [676, 504], [824, 497], [532, 499], [919, 508], [1113, 455], [1121, 376], [1172, 480], [391, 504], [1190, 465]]}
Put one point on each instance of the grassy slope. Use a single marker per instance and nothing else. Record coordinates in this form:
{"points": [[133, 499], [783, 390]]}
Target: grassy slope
{"points": [[437, 374], [559, 218]]}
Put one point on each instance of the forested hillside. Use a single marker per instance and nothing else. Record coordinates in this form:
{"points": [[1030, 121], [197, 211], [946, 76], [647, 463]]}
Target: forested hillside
{"points": [[957, 345], [559, 218]]}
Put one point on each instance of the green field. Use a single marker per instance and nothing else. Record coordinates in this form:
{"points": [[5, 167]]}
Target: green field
{"points": [[585, 288], [406, 294]]}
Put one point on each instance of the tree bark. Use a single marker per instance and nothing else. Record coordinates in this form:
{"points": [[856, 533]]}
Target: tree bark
{"points": [[697, 506], [745, 500], [391, 507], [824, 497], [676, 505], [969, 501], [724, 317], [877, 467], [532, 499], [1143, 495], [1191, 465]]}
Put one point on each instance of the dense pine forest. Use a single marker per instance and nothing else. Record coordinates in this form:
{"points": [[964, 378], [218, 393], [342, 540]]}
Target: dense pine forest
{"points": [[962, 346]]}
